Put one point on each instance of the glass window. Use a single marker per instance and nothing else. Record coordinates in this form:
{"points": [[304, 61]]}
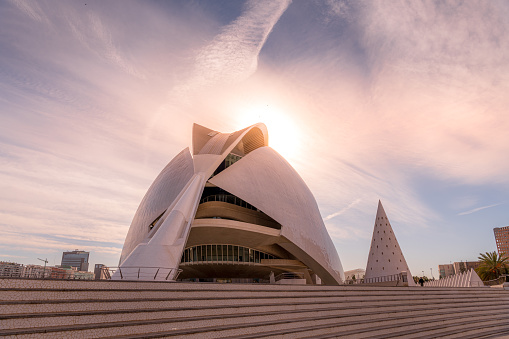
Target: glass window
{"points": [[197, 253], [213, 252], [223, 253], [241, 254]]}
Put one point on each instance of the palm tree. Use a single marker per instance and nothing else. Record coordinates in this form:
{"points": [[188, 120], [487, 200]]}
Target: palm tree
{"points": [[492, 265]]}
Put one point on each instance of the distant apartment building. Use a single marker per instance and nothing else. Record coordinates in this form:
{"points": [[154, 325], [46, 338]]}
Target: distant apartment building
{"points": [[358, 273], [36, 271], [445, 270], [464, 266], [76, 259], [502, 239], [10, 270], [101, 272], [448, 270]]}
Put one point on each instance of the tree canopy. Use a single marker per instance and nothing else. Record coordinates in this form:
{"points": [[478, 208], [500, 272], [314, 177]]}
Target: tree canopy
{"points": [[492, 265]]}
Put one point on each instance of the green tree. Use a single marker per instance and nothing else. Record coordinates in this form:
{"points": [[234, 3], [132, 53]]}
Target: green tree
{"points": [[492, 265]]}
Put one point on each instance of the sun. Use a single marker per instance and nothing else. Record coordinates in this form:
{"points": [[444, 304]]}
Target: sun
{"points": [[283, 131]]}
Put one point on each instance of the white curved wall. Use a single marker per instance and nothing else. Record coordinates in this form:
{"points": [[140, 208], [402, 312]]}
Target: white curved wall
{"points": [[265, 180], [163, 191], [171, 189], [262, 178]]}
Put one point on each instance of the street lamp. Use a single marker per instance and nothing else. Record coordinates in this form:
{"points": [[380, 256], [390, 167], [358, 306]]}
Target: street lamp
{"points": [[431, 270], [45, 262]]}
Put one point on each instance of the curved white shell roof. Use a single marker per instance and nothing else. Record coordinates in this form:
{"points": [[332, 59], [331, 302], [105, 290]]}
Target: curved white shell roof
{"points": [[262, 178], [163, 191], [266, 180]]}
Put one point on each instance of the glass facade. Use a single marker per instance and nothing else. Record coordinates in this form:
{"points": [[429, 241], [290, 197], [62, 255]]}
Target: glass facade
{"points": [[78, 259], [223, 253], [227, 162]]}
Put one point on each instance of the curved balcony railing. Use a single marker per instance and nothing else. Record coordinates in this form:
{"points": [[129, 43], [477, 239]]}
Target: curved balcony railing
{"points": [[223, 253], [139, 273], [230, 199]]}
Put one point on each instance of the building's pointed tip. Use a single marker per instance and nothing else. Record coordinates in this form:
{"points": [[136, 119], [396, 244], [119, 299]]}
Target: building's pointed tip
{"points": [[380, 211]]}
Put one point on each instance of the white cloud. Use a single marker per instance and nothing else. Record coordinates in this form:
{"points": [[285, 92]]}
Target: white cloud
{"points": [[478, 209], [343, 210], [232, 56], [31, 9]]}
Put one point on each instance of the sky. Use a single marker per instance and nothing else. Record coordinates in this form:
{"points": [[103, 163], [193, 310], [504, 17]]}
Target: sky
{"points": [[402, 101]]}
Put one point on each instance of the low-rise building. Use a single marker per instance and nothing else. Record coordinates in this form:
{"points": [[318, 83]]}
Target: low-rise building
{"points": [[10, 269], [358, 273], [458, 267], [77, 259], [36, 271]]}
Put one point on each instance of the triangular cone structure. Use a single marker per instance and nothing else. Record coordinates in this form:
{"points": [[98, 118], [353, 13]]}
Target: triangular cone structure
{"points": [[385, 256]]}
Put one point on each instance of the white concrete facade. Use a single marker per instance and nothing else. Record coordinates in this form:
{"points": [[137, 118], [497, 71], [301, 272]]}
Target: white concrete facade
{"points": [[259, 177], [465, 279], [385, 256]]}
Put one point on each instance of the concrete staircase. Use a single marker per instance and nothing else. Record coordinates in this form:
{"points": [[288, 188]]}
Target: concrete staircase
{"points": [[93, 309]]}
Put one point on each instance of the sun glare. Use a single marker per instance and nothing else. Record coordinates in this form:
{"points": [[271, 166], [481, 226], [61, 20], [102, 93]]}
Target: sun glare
{"points": [[283, 132]]}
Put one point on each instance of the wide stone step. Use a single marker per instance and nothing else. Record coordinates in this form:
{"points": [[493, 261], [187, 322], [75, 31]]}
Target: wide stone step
{"points": [[62, 309], [43, 296], [349, 326], [409, 327], [131, 324], [157, 306], [49, 306], [48, 284], [61, 319], [493, 331]]}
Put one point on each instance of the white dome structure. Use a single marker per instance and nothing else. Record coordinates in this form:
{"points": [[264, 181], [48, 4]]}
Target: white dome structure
{"points": [[386, 259], [234, 209]]}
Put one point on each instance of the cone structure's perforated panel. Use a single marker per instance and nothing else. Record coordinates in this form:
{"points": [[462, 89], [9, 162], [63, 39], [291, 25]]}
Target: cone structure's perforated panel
{"points": [[385, 255]]}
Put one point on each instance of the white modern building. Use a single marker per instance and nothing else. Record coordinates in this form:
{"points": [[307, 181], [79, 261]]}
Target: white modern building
{"points": [[232, 209]]}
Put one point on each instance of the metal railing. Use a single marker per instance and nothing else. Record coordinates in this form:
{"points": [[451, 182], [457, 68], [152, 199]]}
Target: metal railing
{"points": [[290, 275], [48, 274], [387, 278], [139, 273], [354, 281], [230, 199]]}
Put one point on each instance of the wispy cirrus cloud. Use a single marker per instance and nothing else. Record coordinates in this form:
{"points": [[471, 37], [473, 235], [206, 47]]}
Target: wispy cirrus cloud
{"points": [[94, 34], [232, 55], [31, 9], [343, 210], [479, 209]]}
